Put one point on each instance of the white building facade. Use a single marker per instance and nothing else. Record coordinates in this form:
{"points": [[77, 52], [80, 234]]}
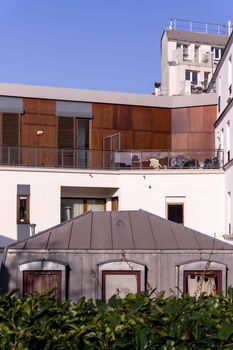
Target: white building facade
{"points": [[222, 84], [42, 185], [189, 57]]}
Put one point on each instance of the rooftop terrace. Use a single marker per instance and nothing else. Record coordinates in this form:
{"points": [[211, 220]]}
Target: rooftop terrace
{"points": [[110, 160]]}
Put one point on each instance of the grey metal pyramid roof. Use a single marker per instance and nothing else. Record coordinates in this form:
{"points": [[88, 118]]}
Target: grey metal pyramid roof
{"points": [[201, 38], [116, 230]]}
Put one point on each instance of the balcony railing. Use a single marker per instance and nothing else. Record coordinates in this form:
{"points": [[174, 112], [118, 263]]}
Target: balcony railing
{"points": [[112, 160], [191, 57]]}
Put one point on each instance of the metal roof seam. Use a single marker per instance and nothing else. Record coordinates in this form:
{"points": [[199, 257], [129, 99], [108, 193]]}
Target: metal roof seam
{"points": [[131, 229], [71, 230], [50, 232], [111, 231], [152, 232], [92, 218]]}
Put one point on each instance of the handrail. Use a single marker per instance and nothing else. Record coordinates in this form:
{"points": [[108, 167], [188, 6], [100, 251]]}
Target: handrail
{"points": [[107, 159]]}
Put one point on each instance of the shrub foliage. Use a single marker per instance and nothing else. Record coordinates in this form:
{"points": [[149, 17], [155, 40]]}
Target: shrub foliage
{"points": [[135, 322]]}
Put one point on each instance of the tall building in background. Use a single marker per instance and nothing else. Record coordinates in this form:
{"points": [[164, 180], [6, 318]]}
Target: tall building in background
{"points": [[190, 52]]}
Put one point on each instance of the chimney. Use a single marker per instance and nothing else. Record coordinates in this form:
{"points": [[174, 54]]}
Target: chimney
{"points": [[157, 89], [33, 229]]}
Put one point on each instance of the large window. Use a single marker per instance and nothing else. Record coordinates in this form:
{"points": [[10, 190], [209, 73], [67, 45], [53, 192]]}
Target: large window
{"points": [[23, 209], [120, 277], [120, 282], [202, 276], [197, 282]]}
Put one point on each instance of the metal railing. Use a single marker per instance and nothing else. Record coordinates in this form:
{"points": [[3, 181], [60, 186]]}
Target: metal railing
{"points": [[190, 56], [99, 159], [200, 27]]}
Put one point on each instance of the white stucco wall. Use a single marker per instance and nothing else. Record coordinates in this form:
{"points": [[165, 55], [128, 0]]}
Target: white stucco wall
{"points": [[202, 192], [222, 81]]}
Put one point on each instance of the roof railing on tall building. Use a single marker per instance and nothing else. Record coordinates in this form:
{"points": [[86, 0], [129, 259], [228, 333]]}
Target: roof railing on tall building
{"points": [[200, 27]]}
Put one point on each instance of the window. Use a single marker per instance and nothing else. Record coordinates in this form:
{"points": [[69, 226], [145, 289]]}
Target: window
{"points": [[38, 282], [228, 135], [120, 282], [175, 212], [120, 276], [206, 77], [230, 77], [38, 276], [217, 54], [229, 212], [73, 139], [191, 76], [196, 53], [194, 277], [185, 50], [71, 207], [82, 132], [114, 203], [23, 209], [197, 282]]}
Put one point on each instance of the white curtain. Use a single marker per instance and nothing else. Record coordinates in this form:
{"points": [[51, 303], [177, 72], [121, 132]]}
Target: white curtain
{"points": [[198, 284], [78, 207], [96, 204]]}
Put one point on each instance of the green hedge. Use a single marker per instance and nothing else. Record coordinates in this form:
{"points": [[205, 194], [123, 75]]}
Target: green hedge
{"points": [[136, 322]]}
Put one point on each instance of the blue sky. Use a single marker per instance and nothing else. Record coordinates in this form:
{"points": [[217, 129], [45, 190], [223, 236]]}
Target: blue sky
{"points": [[92, 44]]}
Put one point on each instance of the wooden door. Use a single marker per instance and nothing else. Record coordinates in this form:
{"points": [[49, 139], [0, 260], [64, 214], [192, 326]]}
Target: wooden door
{"points": [[38, 282]]}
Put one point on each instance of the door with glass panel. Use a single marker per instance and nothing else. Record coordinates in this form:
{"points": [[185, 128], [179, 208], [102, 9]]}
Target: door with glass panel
{"points": [[82, 142]]}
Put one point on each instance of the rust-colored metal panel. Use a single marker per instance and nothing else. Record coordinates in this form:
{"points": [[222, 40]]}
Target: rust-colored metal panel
{"points": [[196, 140], [209, 118], [127, 141], [39, 106], [142, 140], [102, 115], [208, 140], [180, 120], [196, 119], [97, 137], [122, 118], [161, 141], [180, 140], [141, 118], [161, 119], [38, 119], [43, 154]]}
